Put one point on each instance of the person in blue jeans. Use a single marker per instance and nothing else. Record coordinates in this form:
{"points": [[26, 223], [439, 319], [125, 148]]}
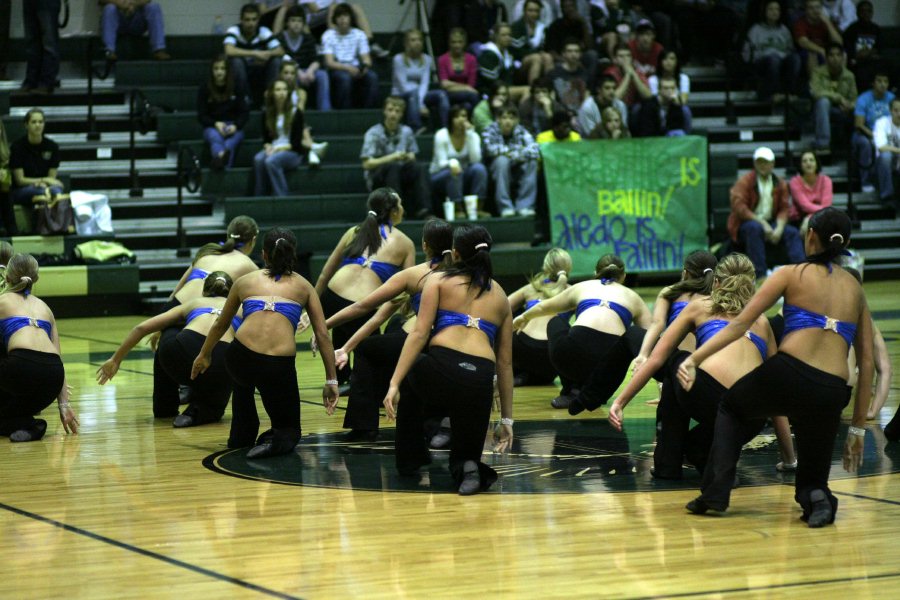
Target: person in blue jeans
{"points": [[345, 50], [133, 17], [223, 111], [41, 20], [300, 47], [870, 106], [411, 77], [287, 142]]}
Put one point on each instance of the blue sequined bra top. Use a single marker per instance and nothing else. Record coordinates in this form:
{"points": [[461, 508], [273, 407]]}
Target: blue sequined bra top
{"points": [[617, 308], [415, 301], [197, 274], [10, 325], [710, 328], [449, 318], [384, 270], [532, 303], [208, 310], [290, 310], [799, 318], [674, 310]]}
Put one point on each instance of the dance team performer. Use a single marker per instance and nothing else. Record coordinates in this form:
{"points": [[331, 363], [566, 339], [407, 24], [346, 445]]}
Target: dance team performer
{"points": [[262, 355], [465, 321], [825, 312]]}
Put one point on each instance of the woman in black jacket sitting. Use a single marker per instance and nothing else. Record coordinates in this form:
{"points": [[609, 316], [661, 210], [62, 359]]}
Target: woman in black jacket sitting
{"points": [[223, 112]]}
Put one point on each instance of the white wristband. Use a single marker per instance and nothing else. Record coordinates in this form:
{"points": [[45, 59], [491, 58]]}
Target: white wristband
{"points": [[506, 421], [331, 382], [858, 431]]}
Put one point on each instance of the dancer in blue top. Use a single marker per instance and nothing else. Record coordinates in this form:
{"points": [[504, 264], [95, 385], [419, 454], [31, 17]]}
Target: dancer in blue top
{"points": [[262, 355], [366, 256], [806, 380], [31, 370], [470, 343], [176, 353]]}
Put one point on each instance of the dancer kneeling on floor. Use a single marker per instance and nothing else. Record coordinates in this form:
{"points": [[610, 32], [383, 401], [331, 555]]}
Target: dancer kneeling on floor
{"points": [[733, 286], [31, 370], [176, 353], [471, 341], [825, 311], [262, 355], [593, 355]]}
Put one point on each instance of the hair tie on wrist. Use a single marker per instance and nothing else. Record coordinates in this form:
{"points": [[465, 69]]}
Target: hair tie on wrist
{"points": [[482, 245], [373, 213], [707, 270], [837, 235]]}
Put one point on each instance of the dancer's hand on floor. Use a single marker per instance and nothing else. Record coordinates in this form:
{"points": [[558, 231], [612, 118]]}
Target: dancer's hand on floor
{"points": [[69, 418], [503, 438], [853, 452], [330, 397]]}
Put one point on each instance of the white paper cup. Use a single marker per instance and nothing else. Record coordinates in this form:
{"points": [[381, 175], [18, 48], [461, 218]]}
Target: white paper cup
{"points": [[449, 210], [471, 207]]}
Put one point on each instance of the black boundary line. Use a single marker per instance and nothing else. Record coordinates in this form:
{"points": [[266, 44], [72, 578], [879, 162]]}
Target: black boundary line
{"points": [[148, 553], [861, 497]]}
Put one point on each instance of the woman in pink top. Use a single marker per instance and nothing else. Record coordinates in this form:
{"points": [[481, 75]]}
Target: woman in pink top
{"points": [[458, 71], [810, 190]]}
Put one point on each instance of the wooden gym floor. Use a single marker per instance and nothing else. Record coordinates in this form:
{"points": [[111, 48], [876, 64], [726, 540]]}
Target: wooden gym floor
{"points": [[132, 508]]}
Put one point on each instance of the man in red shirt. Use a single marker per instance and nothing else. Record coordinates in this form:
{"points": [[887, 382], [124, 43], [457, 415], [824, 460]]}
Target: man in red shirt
{"points": [[645, 50], [631, 85]]}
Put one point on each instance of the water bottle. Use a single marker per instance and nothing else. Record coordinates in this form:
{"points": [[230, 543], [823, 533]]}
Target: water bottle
{"points": [[218, 28]]}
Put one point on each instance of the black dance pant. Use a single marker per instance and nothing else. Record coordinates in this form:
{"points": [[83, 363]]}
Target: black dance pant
{"points": [[446, 381], [531, 358], [331, 305], [212, 389], [276, 379], [374, 361], [29, 382], [783, 385], [675, 439], [166, 400]]}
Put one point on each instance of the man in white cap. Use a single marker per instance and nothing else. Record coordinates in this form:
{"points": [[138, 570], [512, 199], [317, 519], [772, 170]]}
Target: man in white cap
{"points": [[759, 213]]}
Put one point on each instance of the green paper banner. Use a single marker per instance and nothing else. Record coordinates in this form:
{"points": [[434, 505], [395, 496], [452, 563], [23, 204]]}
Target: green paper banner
{"points": [[641, 199]]}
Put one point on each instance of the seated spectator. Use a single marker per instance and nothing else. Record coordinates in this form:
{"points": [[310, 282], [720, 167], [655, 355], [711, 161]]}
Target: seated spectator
{"points": [[590, 115], [287, 142], [663, 114], [254, 53], [411, 78], [812, 32], [631, 86], [34, 161], [513, 156], [288, 74], [346, 53], [871, 105], [485, 112], [645, 50], [833, 89], [549, 11], [886, 136], [496, 64], [458, 71], [612, 127], [612, 22], [668, 64], [528, 42], [863, 42], [481, 20], [770, 49], [133, 17], [536, 111], [571, 26], [456, 167], [811, 190], [571, 80], [759, 214], [560, 130], [389, 159], [300, 48], [222, 110], [841, 12], [6, 211], [321, 13]]}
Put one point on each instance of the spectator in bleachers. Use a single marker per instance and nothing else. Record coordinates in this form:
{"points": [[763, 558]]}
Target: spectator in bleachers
{"points": [[841, 12], [458, 71], [536, 111], [513, 156], [300, 48], [485, 112], [482, 18], [812, 32], [287, 142], [411, 78], [811, 190], [456, 167], [663, 114], [496, 64], [871, 105], [321, 13], [661, 13], [549, 11], [253, 51], [560, 130], [770, 49], [668, 64], [833, 89], [571, 80], [590, 115], [288, 74], [612, 127], [528, 42], [41, 21], [133, 17], [222, 110], [645, 50], [34, 161], [886, 136], [6, 210], [612, 22], [346, 52], [389, 158], [631, 86], [863, 42], [760, 202], [571, 26]]}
